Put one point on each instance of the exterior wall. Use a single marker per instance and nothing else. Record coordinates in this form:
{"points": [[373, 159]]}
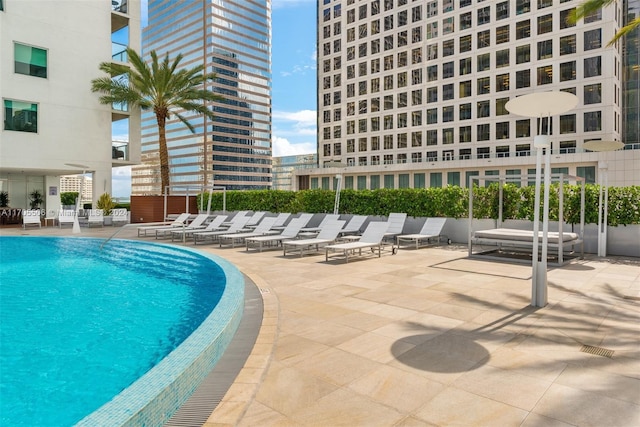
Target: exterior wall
{"points": [[233, 39], [73, 127], [421, 52]]}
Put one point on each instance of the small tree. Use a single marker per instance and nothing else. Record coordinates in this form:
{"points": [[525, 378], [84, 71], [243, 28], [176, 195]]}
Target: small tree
{"points": [[35, 199], [105, 202], [4, 199], [68, 198], [162, 87]]}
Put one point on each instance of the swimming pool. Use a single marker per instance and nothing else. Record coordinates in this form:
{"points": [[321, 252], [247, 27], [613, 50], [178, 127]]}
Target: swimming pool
{"points": [[130, 329]]}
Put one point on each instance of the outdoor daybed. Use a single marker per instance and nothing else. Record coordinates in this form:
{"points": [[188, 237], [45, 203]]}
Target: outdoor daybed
{"points": [[513, 240]]}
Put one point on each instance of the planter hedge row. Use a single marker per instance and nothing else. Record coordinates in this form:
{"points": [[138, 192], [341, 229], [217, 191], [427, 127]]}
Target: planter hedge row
{"points": [[451, 202]]}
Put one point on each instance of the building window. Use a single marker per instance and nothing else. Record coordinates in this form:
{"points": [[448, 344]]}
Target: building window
{"points": [[20, 116], [374, 182], [447, 114], [502, 82], [435, 179], [592, 66], [501, 109], [587, 172], [484, 39], [593, 39], [592, 121], [545, 75], [465, 21], [523, 79], [564, 19], [568, 123], [502, 34], [545, 24], [432, 116], [523, 54], [523, 128], [593, 93], [503, 151], [418, 180], [523, 6], [544, 3], [523, 29], [362, 182], [545, 49], [447, 70], [502, 10], [453, 178], [465, 112], [465, 89], [447, 92], [484, 62], [502, 130], [432, 137], [567, 147], [484, 85], [568, 71], [483, 132], [523, 150], [465, 66], [314, 183], [484, 15], [483, 109], [568, 44], [30, 61], [403, 180], [464, 134], [502, 58]]}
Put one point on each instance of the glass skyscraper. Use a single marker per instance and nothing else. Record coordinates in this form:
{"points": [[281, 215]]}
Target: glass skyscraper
{"points": [[233, 40]]}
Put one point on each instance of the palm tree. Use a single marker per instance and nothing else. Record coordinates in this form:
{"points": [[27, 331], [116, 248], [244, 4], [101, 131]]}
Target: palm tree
{"points": [[161, 87], [591, 6]]}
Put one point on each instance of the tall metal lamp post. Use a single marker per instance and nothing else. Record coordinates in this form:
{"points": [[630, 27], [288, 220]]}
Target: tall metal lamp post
{"points": [[603, 181], [540, 105], [76, 221]]}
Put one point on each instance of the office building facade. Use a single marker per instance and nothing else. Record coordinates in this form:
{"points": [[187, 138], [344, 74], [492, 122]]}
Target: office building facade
{"points": [[53, 125], [284, 167], [413, 94], [233, 40]]}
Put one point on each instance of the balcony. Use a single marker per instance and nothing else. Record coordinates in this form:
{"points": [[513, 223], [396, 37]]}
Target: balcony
{"points": [[120, 151], [119, 15], [119, 52]]}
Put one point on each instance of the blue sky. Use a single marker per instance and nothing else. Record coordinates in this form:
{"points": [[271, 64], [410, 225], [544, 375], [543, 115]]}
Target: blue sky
{"points": [[293, 69]]}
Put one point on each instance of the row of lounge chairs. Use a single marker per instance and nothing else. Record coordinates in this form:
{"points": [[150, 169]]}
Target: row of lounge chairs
{"points": [[337, 237]]}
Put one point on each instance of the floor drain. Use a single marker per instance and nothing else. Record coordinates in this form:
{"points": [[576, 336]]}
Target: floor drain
{"points": [[598, 351]]}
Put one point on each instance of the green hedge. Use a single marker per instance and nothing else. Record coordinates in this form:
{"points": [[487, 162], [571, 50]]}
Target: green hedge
{"points": [[451, 202]]}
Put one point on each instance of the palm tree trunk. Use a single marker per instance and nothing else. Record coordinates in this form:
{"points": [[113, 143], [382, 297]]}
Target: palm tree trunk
{"points": [[161, 118]]}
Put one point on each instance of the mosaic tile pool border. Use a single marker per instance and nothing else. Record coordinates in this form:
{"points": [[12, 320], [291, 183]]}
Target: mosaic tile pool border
{"points": [[154, 397]]}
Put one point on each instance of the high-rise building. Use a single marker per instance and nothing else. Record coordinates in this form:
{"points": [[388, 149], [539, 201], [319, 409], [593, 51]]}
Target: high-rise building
{"points": [[284, 166], [233, 40], [53, 124], [413, 94]]}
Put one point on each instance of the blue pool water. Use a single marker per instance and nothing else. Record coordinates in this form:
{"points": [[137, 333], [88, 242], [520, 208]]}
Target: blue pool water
{"points": [[80, 324]]}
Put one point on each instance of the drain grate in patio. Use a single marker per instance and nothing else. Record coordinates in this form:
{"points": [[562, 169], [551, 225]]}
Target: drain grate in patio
{"points": [[598, 351]]}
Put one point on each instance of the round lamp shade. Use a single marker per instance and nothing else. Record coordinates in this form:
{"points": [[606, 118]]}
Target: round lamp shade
{"points": [[603, 145], [542, 104]]}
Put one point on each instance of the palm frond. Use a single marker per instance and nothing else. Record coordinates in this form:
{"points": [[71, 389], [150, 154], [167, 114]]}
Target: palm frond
{"points": [[624, 31]]}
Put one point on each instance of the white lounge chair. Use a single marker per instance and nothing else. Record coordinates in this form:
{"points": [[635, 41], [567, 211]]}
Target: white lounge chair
{"points": [[214, 225], [66, 216], [178, 222], [354, 225], [290, 232], [31, 217], [371, 239], [313, 231], [196, 224], [432, 229], [326, 236], [262, 229], [95, 217], [396, 224], [237, 227], [119, 216]]}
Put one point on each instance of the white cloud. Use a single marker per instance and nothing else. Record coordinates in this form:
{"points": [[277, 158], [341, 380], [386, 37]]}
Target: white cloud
{"points": [[282, 147], [301, 118]]}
